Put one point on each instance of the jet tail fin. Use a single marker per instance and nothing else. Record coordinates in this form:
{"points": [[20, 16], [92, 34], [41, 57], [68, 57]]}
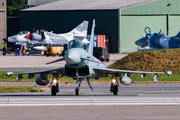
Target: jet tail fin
{"points": [[90, 51], [80, 31]]}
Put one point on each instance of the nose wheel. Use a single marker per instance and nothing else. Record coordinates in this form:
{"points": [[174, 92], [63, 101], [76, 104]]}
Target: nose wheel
{"points": [[78, 84], [77, 91]]}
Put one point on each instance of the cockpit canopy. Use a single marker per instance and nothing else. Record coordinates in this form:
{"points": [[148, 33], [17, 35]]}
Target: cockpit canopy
{"points": [[75, 44], [23, 32]]}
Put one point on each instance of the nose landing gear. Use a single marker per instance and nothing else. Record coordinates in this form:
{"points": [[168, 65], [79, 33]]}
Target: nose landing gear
{"points": [[77, 91], [78, 84]]}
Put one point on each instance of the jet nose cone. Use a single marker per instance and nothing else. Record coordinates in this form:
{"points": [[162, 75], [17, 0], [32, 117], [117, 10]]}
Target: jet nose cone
{"points": [[5, 39], [136, 42], [72, 56]]}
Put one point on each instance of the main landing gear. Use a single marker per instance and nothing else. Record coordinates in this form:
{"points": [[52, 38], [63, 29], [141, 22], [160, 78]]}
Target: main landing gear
{"points": [[54, 84], [114, 85], [114, 89], [54, 90]]}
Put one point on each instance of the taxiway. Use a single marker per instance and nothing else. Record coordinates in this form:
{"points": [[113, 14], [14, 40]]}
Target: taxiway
{"points": [[137, 101]]}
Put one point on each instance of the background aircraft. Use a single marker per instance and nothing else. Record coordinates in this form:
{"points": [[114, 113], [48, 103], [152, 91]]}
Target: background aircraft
{"points": [[157, 41], [81, 65], [24, 38]]}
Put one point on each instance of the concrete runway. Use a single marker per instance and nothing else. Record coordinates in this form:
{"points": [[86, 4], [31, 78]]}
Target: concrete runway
{"points": [[91, 113], [135, 94], [137, 101]]}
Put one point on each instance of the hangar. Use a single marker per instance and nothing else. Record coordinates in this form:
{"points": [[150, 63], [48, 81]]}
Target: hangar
{"points": [[123, 20]]}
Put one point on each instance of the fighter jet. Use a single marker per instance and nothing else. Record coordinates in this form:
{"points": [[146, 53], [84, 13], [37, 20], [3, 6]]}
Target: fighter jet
{"points": [[18, 39], [157, 41], [27, 38], [81, 65]]}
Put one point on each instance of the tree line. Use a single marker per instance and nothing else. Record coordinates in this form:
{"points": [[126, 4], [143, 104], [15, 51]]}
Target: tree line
{"points": [[14, 6]]}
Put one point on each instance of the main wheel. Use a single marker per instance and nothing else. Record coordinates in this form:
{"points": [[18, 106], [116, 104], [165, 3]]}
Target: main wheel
{"points": [[53, 90], [115, 92], [77, 91]]}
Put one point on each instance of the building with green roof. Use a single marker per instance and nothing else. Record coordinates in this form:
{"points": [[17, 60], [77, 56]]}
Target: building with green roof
{"points": [[123, 20]]}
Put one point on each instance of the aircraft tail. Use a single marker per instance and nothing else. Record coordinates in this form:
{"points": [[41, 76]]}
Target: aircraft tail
{"points": [[90, 51], [80, 31]]}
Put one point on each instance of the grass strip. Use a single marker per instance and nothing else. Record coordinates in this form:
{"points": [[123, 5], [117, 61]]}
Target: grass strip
{"points": [[135, 78], [20, 89]]}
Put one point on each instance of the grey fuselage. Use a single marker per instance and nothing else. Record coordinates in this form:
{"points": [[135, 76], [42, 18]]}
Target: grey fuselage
{"points": [[80, 63]]}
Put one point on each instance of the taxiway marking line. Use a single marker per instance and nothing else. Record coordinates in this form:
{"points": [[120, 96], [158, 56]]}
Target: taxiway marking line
{"points": [[88, 104]]}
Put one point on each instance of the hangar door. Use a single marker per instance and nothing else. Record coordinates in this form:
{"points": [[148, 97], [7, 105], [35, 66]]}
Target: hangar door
{"points": [[174, 26], [132, 29], [2, 27]]}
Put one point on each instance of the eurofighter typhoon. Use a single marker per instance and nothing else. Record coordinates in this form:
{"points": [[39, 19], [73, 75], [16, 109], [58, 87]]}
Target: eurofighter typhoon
{"points": [[81, 65]]}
